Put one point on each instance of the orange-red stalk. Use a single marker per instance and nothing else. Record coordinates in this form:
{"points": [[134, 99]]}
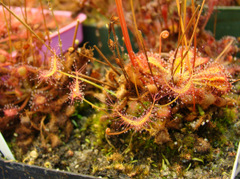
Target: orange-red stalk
{"points": [[125, 31]]}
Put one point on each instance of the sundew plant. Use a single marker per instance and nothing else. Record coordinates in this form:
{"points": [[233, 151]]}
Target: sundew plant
{"points": [[150, 91]]}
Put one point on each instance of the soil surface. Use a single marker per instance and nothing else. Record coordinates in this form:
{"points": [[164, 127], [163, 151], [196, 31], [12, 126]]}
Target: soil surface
{"points": [[135, 155]]}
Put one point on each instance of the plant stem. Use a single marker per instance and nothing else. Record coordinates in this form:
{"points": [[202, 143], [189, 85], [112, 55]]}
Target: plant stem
{"points": [[100, 53], [75, 34], [8, 31], [125, 32], [59, 38]]}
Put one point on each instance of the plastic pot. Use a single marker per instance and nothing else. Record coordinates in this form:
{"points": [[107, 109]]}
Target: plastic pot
{"points": [[66, 32], [9, 169], [225, 21], [98, 36]]}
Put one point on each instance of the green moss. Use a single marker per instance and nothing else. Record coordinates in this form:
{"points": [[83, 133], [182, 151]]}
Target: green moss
{"points": [[98, 127], [189, 141], [223, 122], [230, 115]]}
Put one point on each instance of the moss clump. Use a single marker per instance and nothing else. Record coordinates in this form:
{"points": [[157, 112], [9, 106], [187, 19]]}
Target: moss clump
{"points": [[97, 126]]}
